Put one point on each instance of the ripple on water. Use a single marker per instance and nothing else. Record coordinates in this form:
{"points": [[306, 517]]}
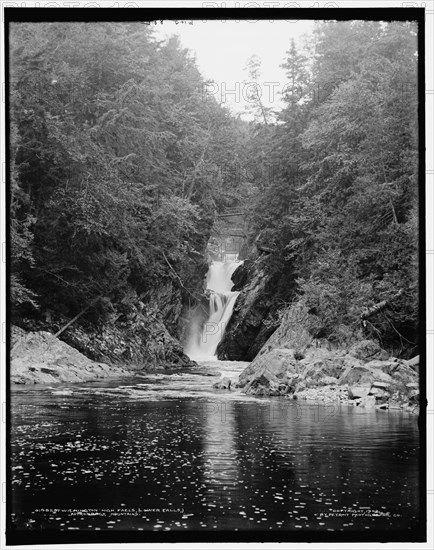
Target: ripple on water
{"points": [[217, 460]]}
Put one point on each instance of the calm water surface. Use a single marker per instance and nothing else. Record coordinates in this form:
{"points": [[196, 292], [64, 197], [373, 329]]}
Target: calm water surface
{"points": [[166, 452]]}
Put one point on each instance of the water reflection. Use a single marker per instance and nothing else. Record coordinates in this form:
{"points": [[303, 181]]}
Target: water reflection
{"points": [[183, 463]]}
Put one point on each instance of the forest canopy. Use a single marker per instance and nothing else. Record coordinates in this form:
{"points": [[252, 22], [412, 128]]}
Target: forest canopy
{"points": [[120, 164]]}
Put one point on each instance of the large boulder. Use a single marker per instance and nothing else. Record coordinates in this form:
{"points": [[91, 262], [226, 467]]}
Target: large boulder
{"points": [[264, 384], [278, 362], [354, 392], [414, 397], [368, 402], [388, 367], [367, 350], [223, 384], [328, 381], [320, 366], [270, 372], [246, 333], [40, 357], [404, 373], [363, 374], [414, 363], [381, 396]]}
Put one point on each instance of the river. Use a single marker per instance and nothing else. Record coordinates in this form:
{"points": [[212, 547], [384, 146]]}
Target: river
{"points": [[166, 452]]}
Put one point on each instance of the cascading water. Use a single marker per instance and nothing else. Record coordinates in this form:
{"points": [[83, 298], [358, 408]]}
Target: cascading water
{"points": [[202, 344]]}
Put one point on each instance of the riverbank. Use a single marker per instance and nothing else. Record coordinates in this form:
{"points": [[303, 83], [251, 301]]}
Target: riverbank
{"points": [[362, 376], [40, 357]]}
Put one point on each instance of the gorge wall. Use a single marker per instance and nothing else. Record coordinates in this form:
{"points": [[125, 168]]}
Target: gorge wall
{"points": [[262, 292], [144, 330]]}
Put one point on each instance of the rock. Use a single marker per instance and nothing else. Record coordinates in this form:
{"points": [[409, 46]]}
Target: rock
{"points": [[329, 375], [17, 334], [414, 362], [263, 385], [367, 402], [278, 363], [363, 374], [388, 367], [381, 385], [137, 338], [405, 374], [380, 395], [355, 392], [246, 333], [414, 397], [319, 369], [223, 384], [328, 381], [378, 392], [40, 357], [367, 350]]}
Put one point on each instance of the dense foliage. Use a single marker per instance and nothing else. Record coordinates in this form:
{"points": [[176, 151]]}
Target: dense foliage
{"points": [[340, 212], [120, 162], [116, 173]]}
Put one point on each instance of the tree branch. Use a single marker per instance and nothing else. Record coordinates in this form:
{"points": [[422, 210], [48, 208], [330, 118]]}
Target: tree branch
{"points": [[173, 271]]}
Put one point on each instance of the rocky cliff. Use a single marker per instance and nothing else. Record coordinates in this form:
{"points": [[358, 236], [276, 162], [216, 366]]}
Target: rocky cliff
{"points": [[141, 330], [259, 298]]}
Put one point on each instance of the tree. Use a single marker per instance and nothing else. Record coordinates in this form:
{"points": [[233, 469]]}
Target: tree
{"points": [[339, 215], [116, 159], [253, 89]]}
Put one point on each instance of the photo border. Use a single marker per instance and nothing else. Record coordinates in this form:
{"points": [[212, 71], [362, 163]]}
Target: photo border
{"points": [[252, 14]]}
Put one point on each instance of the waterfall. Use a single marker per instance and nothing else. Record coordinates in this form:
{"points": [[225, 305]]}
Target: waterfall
{"points": [[203, 343]]}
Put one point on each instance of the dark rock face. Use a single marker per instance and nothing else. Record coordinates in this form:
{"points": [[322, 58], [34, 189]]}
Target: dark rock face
{"points": [[143, 341], [143, 331], [246, 333]]}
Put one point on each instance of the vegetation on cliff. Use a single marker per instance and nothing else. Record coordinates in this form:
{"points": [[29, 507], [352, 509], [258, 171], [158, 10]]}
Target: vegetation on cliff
{"points": [[335, 219], [120, 162], [116, 175]]}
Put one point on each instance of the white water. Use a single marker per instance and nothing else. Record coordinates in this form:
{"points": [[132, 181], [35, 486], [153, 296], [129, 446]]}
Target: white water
{"points": [[203, 344]]}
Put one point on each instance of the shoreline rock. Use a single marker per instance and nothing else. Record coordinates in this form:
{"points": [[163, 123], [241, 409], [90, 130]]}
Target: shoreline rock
{"points": [[223, 384], [41, 358], [353, 376]]}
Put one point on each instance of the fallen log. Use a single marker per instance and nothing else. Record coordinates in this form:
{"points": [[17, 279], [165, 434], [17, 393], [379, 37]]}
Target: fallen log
{"points": [[376, 308], [82, 312], [373, 310], [263, 248]]}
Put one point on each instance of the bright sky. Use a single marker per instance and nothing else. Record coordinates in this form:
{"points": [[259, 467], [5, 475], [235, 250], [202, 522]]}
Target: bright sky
{"points": [[222, 49]]}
